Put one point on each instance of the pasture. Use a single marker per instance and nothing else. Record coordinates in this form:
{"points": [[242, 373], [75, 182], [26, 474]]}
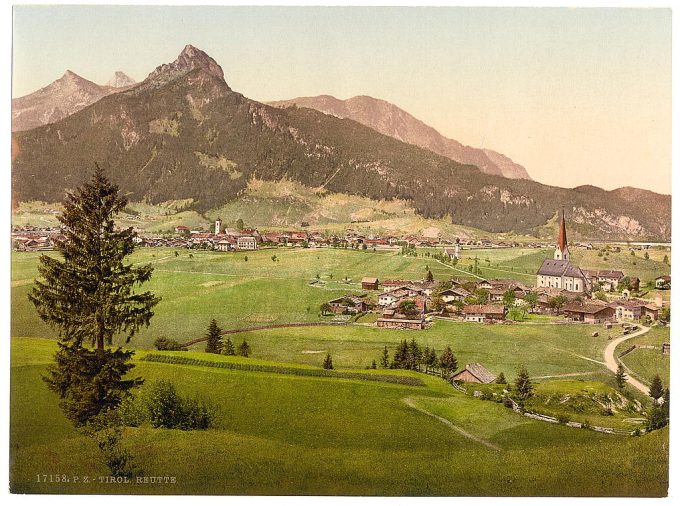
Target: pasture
{"points": [[282, 434]]}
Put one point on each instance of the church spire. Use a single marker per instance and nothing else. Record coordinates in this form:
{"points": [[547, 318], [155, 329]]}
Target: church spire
{"points": [[562, 252]]}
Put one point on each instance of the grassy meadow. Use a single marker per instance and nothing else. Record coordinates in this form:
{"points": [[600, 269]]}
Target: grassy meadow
{"points": [[281, 434], [648, 362]]}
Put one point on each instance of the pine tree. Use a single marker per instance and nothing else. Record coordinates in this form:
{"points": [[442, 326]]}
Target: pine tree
{"points": [[374, 365], [430, 276], [656, 389], [244, 349], [385, 359], [501, 379], [448, 362], [328, 361], [401, 356], [621, 377], [88, 296], [415, 356], [213, 344], [228, 347], [523, 384]]}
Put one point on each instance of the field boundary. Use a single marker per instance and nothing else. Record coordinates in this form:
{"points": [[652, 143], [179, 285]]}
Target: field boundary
{"points": [[294, 371], [264, 327]]}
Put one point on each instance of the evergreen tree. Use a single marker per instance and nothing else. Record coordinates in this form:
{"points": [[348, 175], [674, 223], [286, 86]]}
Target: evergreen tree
{"points": [[400, 360], [228, 347], [523, 384], [666, 406], [328, 361], [88, 296], [501, 379], [621, 377], [656, 389], [213, 344], [374, 365], [415, 355], [244, 349], [448, 362], [430, 276], [385, 359]]}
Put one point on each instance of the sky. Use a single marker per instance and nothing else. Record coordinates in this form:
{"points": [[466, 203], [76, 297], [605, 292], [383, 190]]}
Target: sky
{"points": [[577, 96]]}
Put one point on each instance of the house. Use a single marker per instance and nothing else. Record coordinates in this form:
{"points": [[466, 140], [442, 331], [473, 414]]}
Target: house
{"points": [[628, 309], [181, 229], [483, 312], [594, 311], [348, 304], [484, 284], [369, 283], [559, 272], [663, 283], [246, 242], [609, 279], [400, 323], [224, 245], [475, 373], [454, 294]]}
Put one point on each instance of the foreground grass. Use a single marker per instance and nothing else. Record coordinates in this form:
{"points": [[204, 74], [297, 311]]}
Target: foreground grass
{"points": [[647, 363], [281, 434]]}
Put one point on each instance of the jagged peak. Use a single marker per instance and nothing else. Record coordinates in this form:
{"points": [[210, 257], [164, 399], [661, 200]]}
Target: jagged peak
{"points": [[191, 58], [120, 80]]}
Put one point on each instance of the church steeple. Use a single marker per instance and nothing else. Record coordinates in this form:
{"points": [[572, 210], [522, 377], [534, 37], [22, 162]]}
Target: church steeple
{"points": [[562, 250]]}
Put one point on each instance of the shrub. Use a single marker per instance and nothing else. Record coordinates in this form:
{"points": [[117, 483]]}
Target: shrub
{"points": [[132, 411], [166, 409], [563, 419], [507, 402], [106, 431], [165, 344]]}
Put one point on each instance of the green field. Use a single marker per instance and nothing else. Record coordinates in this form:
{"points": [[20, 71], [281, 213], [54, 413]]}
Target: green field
{"points": [[646, 363], [281, 434]]}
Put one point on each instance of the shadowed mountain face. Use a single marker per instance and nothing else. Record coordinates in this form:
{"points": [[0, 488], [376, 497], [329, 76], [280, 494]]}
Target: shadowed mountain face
{"points": [[58, 100], [390, 120], [182, 133]]}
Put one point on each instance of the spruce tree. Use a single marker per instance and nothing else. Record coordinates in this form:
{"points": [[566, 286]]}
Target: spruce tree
{"points": [[523, 384], [429, 277], [374, 365], [415, 355], [87, 293], [385, 359], [213, 344], [501, 379], [448, 362], [228, 347], [656, 389], [244, 349], [328, 361], [621, 377]]}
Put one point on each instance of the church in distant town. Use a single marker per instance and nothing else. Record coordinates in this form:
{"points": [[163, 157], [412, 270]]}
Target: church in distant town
{"points": [[560, 272]]}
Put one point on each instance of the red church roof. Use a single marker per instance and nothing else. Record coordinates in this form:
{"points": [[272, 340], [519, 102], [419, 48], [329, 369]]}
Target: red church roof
{"points": [[562, 237]]}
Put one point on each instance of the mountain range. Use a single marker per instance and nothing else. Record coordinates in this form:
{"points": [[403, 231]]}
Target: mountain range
{"points": [[183, 133], [63, 97], [389, 119]]}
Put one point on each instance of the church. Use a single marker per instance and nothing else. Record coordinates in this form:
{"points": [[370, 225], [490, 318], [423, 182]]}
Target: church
{"points": [[560, 272]]}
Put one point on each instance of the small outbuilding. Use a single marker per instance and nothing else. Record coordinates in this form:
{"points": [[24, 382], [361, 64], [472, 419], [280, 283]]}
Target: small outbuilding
{"points": [[369, 283], [475, 373]]}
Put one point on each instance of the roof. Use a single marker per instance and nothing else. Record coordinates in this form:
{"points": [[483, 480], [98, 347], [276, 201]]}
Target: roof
{"points": [[484, 309], [590, 307], [628, 303], [664, 278], [560, 268], [610, 274], [369, 280], [480, 372]]}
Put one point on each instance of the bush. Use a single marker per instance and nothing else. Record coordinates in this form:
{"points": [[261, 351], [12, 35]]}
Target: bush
{"points": [[507, 403], [132, 412], [166, 409], [165, 344], [563, 419], [106, 431]]}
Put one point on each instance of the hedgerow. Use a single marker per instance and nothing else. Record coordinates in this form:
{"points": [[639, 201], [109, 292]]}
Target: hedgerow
{"points": [[327, 373]]}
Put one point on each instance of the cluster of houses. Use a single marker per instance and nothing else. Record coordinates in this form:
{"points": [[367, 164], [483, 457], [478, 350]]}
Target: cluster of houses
{"points": [[33, 239]]}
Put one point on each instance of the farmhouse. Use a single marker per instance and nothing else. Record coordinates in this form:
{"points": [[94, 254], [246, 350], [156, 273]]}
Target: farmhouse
{"points": [[560, 272], [475, 373], [483, 313], [634, 309], [369, 283], [663, 283], [454, 294], [594, 311], [609, 279], [349, 304]]}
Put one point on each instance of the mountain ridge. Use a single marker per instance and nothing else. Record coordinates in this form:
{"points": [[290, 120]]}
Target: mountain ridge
{"points": [[390, 119], [185, 134]]}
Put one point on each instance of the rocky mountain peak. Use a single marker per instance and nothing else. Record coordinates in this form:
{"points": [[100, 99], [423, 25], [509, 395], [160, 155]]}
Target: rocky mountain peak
{"points": [[120, 80], [189, 59]]}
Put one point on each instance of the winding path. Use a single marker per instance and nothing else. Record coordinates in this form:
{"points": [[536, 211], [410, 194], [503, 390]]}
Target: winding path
{"points": [[613, 364]]}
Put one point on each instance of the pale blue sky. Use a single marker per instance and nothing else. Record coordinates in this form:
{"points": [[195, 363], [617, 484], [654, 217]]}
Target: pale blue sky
{"points": [[578, 96]]}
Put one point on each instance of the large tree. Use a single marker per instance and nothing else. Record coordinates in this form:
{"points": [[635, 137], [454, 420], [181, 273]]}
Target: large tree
{"points": [[214, 341], [88, 295], [523, 385]]}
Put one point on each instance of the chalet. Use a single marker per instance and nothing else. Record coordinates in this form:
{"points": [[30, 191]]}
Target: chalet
{"points": [[391, 284], [246, 242], [426, 287], [181, 229], [399, 323], [486, 285], [609, 280], [348, 305], [387, 298], [663, 283], [483, 313], [594, 311], [475, 373], [369, 283], [454, 294], [630, 309], [560, 272], [224, 245]]}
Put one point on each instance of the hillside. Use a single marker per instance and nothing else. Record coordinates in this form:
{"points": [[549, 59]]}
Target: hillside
{"points": [[184, 134], [58, 100], [389, 119]]}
